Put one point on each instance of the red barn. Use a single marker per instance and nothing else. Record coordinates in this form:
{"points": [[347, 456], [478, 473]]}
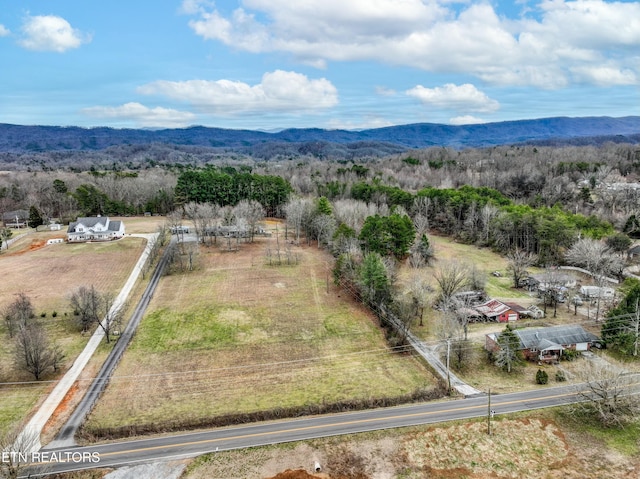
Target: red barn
{"points": [[494, 310]]}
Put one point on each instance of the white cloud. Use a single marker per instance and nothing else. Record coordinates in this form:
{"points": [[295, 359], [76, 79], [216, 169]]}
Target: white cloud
{"points": [[51, 33], [191, 7], [466, 120], [4, 31], [605, 75], [366, 124], [142, 115], [278, 91], [384, 91], [457, 97], [540, 48]]}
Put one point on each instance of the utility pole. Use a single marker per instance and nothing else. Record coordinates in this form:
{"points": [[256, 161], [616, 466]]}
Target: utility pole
{"points": [[448, 374], [489, 414]]}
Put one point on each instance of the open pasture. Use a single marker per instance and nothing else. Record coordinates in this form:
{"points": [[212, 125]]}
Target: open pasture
{"points": [[48, 274], [239, 336]]}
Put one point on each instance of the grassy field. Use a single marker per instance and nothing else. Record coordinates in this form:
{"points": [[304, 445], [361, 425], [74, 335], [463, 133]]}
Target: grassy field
{"points": [[238, 336], [47, 275]]}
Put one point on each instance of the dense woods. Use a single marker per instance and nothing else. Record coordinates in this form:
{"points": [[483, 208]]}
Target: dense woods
{"points": [[539, 203], [588, 182], [229, 187]]}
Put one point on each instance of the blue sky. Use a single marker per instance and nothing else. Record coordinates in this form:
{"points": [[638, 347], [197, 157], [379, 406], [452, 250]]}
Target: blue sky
{"points": [[271, 64]]}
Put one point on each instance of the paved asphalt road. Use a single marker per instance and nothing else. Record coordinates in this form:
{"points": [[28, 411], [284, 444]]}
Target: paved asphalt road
{"points": [[260, 434]]}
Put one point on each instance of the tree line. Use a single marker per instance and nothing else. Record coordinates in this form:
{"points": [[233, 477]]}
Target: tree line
{"points": [[230, 186]]}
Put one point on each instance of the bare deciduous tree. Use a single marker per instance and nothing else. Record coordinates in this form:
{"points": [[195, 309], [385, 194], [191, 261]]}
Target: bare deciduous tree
{"points": [[353, 213], [448, 328], [86, 306], [418, 289], [110, 317], [194, 212], [421, 207], [251, 212], [597, 258], [324, 227], [174, 220], [609, 394], [450, 277], [33, 352], [16, 444], [297, 211], [18, 314], [519, 261], [92, 307], [487, 214]]}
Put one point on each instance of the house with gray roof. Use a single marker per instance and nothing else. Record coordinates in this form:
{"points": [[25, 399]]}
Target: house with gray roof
{"points": [[15, 219], [96, 228], [547, 344]]}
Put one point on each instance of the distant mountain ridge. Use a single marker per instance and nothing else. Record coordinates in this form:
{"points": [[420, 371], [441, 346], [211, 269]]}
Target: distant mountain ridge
{"points": [[19, 138]]}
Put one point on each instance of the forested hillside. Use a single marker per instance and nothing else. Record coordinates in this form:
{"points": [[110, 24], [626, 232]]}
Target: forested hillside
{"points": [[326, 143], [599, 181]]}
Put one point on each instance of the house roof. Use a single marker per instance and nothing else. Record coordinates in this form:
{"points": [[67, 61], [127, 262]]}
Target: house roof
{"points": [[492, 308], [114, 225], [92, 221], [517, 308], [554, 276], [11, 215], [546, 345], [560, 335]]}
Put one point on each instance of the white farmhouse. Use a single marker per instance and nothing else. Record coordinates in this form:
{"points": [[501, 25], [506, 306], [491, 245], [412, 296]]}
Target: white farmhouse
{"points": [[99, 228]]}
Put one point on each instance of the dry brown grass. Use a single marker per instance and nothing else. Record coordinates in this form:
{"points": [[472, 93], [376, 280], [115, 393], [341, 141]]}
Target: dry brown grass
{"points": [[516, 448], [238, 335], [532, 446], [47, 275]]}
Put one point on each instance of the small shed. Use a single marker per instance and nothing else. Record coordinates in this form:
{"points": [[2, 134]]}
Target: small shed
{"points": [[495, 310]]}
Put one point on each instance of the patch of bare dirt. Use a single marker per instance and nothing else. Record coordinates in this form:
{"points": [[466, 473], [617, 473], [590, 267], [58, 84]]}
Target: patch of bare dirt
{"points": [[299, 474]]}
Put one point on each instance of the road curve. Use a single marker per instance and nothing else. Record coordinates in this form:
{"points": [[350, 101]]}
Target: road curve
{"points": [[273, 432]]}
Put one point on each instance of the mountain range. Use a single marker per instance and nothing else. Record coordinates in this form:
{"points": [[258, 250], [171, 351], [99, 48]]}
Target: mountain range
{"points": [[392, 139]]}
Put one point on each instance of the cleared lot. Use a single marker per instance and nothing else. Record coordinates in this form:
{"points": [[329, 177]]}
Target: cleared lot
{"points": [[238, 336]]}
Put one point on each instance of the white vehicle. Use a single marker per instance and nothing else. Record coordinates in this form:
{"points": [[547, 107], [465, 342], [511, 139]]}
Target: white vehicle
{"points": [[594, 292]]}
